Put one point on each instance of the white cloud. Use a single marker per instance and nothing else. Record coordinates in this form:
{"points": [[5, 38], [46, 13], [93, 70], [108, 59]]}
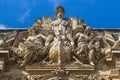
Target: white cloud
{"points": [[2, 26], [22, 3], [23, 17], [88, 1], [56, 3]]}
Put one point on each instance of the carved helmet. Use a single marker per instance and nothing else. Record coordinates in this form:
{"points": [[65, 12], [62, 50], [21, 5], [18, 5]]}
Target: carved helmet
{"points": [[39, 20], [60, 9]]}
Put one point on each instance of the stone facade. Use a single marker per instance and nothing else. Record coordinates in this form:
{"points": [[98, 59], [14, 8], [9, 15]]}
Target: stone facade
{"points": [[59, 49]]}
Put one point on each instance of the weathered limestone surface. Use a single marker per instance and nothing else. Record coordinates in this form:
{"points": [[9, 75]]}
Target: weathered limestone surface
{"points": [[60, 49]]}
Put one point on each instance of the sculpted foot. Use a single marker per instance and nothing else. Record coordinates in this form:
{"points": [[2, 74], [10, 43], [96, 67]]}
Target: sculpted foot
{"points": [[91, 63]]}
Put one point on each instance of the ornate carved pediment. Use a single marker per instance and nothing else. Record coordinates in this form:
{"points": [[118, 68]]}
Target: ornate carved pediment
{"points": [[61, 49]]}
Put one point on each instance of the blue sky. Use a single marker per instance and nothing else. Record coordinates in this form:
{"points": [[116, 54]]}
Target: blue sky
{"points": [[96, 13]]}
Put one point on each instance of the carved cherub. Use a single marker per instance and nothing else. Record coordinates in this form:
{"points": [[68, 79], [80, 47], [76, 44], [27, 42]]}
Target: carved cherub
{"points": [[35, 28], [97, 50], [47, 22], [73, 22], [84, 28], [82, 45]]}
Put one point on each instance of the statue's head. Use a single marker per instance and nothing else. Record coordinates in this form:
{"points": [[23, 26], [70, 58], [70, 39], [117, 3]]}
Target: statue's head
{"points": [[60, 11], [39, 21]]}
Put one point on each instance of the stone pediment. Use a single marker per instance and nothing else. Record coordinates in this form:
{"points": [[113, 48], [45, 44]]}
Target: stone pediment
{"points": [[60, 49]]}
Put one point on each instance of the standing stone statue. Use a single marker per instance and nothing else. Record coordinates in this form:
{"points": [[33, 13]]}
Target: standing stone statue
{"points": [[61, 33], [60, 26]]}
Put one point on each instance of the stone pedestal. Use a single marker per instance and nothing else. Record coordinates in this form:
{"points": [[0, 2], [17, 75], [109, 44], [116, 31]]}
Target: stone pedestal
{"points": [[38, 72]]}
